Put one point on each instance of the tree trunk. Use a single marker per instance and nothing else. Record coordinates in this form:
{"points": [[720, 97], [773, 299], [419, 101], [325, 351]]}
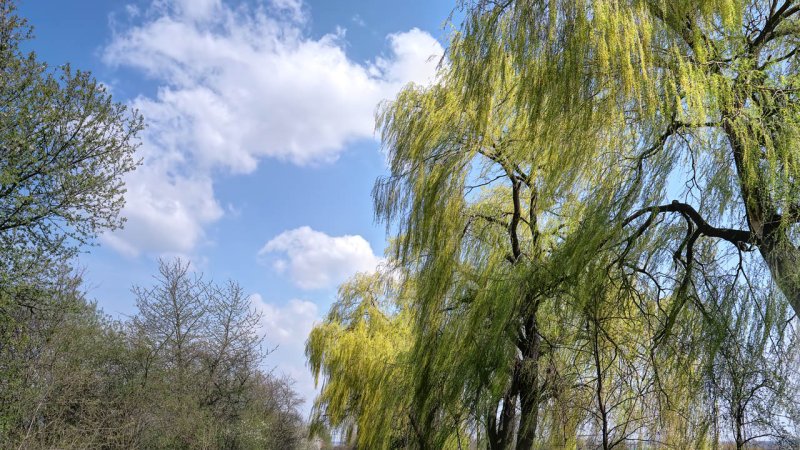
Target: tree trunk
{"points": [[781, 256], [598, 366], [783, 261], [529, 389], [501, 435]]}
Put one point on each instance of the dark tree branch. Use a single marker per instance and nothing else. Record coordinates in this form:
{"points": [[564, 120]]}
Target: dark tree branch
{"points": [[786, 10], [740, 238]]}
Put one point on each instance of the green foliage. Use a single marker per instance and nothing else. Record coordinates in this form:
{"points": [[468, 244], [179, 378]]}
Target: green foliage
{"points": [[71, 377], [185, 372], [361, 350], [557, 296], [66, 146]]}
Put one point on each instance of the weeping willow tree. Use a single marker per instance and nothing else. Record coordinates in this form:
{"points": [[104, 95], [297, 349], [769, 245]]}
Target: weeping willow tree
{"points": [[706, 91], [571, 196], [482, 205], [360, 353], [493, 273]]}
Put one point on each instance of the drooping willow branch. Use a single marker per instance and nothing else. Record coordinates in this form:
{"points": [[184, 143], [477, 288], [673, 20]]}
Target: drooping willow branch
{"points": [[697, 226]]}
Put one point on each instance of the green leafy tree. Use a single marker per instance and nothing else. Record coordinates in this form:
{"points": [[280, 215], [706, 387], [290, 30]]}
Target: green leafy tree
{"points": [[72, 377], [701, 95], [65, 147], [360, 355], [67, 376], [599, 165]]}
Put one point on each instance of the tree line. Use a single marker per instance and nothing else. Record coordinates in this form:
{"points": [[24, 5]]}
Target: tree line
{"points": [[187, 370], [184, 372]]}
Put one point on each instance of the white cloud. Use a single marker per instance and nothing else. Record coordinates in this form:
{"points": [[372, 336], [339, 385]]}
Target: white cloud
{"points": [[258, 88], [287, 327], [237, 85], [165, 212], [314, 260], [197, 9], [415, 54]]}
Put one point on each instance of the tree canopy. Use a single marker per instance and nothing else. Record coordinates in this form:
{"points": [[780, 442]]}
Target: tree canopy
{"points": [[66, 146], [596, 208]]}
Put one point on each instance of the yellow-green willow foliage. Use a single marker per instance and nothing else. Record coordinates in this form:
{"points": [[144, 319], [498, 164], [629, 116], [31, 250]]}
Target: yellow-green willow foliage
{"points": [[751, 369], [629, 380], [569, 196], [703, 90], [487, 193], [359, 354], [482, 202]]}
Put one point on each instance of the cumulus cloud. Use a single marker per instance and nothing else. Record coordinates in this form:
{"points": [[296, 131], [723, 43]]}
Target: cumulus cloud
{"points": [[286, 328], [258, 88], [287, 325], [314, 260], [165, 213], [237, 85]]}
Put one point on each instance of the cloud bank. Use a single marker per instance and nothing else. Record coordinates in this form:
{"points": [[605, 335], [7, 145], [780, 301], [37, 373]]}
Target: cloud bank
{"points": [[237, 85]]}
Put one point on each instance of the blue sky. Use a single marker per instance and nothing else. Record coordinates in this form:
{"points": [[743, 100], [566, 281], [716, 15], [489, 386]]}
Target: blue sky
{"points": [[260, 152]]}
